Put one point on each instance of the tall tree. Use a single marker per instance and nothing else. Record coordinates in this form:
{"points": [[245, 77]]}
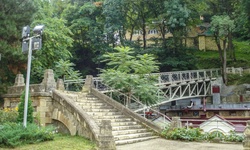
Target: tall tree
{"points": [[14, 14], [56, 40], [86, 21], [221, 27]]}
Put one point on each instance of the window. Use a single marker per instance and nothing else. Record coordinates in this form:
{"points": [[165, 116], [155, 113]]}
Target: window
{"points": [[153, 31], [137, 32]]}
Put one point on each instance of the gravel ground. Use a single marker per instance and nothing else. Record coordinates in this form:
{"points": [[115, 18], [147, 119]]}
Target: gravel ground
{"points": [[162, 144]]}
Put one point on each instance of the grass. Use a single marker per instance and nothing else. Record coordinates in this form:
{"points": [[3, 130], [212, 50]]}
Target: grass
{"points": [[61, 142]]}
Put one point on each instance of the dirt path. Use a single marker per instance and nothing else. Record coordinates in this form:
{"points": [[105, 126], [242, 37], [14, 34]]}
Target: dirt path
{"points": [[162, 144]]}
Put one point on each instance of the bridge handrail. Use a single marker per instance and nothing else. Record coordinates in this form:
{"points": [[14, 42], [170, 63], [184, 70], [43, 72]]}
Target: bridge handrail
{"points": [[110, 92], [184, 76]]}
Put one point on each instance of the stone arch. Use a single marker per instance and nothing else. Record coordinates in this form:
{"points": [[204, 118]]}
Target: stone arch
{"points": [[59, 116]]}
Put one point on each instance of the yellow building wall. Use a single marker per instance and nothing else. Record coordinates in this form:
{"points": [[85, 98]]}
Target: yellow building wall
{"points": [[201, 42]]}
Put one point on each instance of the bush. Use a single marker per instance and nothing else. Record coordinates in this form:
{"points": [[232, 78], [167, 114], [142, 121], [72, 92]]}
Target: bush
{"points": [[195, 134], [233, 137], [13, 134], [191, 134], [8, 115], [21, 109]]}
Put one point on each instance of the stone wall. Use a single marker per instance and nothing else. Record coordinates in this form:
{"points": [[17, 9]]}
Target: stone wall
{"points": [[40, 95]]}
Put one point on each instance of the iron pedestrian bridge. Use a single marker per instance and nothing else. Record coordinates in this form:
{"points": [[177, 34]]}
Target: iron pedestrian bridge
{"points": [[171, 85]]}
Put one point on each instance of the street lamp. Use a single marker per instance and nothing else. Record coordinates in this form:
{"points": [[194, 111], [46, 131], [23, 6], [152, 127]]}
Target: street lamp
{"points": [[29, 44]]}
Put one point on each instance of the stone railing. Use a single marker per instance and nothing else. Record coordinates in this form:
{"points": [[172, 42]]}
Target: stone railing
{"points": [[45, 86]]}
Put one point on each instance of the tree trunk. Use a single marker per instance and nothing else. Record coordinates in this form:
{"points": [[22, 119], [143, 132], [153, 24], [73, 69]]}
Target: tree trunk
{"points": [[225, 63], [223, 58], [231, 47], [144, 35]]}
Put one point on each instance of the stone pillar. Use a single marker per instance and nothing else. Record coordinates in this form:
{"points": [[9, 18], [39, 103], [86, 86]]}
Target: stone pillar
{"points": [[48, 80], [19, 80], [88, 83], [106, 139], [60, 85], [175, 123], [246, 141]]}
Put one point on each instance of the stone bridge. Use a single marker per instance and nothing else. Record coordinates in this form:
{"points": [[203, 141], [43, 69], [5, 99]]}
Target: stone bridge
{"points": [[53, 105]]}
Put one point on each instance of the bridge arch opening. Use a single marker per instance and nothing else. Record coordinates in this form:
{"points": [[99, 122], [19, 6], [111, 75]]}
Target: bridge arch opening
{"points": [[60, 126]]}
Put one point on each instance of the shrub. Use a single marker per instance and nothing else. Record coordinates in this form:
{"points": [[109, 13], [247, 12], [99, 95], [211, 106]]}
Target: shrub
{"points": [[191, 134], [8, 115], [13, 134], [21, 109], [233, 137], [195, 134]]}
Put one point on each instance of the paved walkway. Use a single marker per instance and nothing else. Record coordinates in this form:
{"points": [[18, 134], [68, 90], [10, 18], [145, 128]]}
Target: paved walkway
{"points": [[162, 144]]}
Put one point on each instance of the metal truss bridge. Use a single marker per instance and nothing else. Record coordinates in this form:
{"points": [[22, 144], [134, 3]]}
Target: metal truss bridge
{"points": [[185, 84], [171, 85]]}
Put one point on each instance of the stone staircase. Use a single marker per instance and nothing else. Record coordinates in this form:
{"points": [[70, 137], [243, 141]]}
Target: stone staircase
{"points": [[124, 129]]}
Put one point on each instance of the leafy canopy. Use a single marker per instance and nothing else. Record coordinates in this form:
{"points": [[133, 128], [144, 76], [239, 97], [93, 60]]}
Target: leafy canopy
{"points": [[127, 73]]}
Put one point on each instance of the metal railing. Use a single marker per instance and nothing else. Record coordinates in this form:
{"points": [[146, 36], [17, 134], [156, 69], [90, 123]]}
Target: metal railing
{"points": [[130, 102], [168, 78]]}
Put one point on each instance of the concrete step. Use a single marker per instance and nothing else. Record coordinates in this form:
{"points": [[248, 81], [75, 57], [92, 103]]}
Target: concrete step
{"points": [[122, 119], [92, 104], [126, 127], [100, 110], [97, 107], [133, 136], [110, 117], [88, 101], [104, 113], [129, 141], [131, 131], [123, 123]]}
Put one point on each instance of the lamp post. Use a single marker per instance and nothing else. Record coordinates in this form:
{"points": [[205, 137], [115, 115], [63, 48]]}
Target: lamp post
{"points": [[32, 43]]}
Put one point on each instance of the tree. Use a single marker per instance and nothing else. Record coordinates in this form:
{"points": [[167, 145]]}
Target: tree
{"points": [[126, 73], [14, 14], [221, 27], [56, 40], [21, 109], [86, 22]]}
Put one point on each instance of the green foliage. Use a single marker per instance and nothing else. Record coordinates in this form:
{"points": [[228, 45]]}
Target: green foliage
{"points": [[233, 137], [13, 135], [222, 25], [191, 134], [14, 14], [8, 115], [196, 134], [64, 69], [236, 79], [21, 110], [56, 40], [127, 73]]}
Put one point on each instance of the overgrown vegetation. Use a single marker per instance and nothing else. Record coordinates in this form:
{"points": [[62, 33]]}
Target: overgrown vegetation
{"points": [[196, 134]]}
